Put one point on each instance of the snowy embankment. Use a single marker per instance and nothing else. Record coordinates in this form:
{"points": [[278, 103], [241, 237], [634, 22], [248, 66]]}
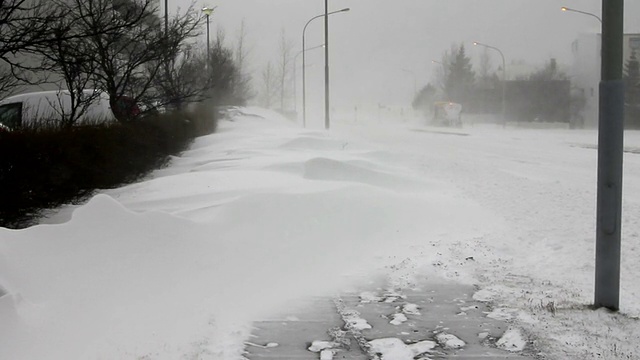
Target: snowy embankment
{"points": [[178, 265], [263, 212]]}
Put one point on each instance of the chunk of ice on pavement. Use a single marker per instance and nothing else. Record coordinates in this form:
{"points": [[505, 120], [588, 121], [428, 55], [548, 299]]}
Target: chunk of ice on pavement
{"points": [[391, 349], [353, 320], [512, 340], [319, 345], [398, 319], [327, 354], [449, 341], [411, 309], [422, 347], [359, 323]]}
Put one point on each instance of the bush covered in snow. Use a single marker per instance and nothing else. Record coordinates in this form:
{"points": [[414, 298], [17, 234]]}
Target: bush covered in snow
{"points": [[44, 168]]}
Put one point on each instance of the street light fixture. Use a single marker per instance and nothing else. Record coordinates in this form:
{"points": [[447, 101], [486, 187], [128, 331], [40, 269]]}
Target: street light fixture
{"points": [[295, 61], [207, 12], [304, 89], [564, 8], [504, 81]]}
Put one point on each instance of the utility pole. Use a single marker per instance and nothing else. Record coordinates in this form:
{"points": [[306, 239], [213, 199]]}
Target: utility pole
{"points": [[166, 18], [326, 64], [610, 153]]}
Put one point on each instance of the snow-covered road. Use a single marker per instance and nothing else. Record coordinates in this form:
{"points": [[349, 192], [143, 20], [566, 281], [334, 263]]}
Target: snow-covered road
{"points": [[264, 212]]}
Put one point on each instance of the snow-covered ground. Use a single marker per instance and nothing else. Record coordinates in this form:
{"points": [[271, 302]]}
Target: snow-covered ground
{"points": [[263, 212]]}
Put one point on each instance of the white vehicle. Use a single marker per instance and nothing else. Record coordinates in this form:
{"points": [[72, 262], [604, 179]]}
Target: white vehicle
{"points": [[47, 108]]}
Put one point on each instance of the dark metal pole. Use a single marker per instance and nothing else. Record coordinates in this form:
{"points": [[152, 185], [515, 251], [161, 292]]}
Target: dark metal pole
{"points": [[326, 65], [166, 17], [208, 46], [504, 90], [304, 84], [304, 89], [610, 153]]}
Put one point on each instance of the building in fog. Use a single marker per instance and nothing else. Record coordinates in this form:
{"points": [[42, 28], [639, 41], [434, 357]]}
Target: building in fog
{"points": [[585, 71]]}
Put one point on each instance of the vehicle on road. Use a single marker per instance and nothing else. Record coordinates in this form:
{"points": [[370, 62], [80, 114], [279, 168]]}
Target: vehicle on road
{"points": [[447, 113]]}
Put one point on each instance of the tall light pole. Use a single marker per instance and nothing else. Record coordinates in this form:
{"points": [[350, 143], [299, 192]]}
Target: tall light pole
{"points": [[295, 61], [326, 64], [610, 154], [504, 81], [207, 12], [304, 88], [166, 18], [444, 71], [564, 8]]}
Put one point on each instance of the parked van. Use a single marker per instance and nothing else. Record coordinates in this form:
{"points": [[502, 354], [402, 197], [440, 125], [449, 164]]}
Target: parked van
{"points": [[47, 108]]}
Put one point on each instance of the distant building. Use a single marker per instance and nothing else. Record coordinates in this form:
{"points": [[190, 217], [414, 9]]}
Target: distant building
{"points": [[585, 72]]}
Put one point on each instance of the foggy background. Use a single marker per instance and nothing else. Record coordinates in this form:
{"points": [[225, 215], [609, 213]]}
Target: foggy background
{"points": [[379, 47]]}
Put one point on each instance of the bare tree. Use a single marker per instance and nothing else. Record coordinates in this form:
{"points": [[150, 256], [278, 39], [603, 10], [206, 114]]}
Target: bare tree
{"points": [[269, 85], [284, 67], [180, 77], [241, 52], [24, 24], [243, 85], [181, 80], [68, 56], [126, 41], [8, 79]]}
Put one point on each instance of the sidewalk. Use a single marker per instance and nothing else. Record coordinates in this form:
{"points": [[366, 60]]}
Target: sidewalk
{"points": [[436, 321]]}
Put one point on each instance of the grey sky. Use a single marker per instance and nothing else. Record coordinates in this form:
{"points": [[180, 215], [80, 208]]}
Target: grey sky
{"points": [[376, 46]]}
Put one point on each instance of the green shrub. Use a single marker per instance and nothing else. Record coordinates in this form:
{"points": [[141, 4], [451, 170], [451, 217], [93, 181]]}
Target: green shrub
{"points": [[45, 168]]}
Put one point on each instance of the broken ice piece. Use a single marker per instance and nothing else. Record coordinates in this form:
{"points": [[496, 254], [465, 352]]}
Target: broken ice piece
{"points": [[410, 309], [358, 323], [327, 354], [512, 341], [398, 319], [319, 345], [422, 347], [449, 341]]}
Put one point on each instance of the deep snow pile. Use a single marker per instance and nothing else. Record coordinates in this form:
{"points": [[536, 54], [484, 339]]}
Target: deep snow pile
{"points": [[179, 264], [263, 212]]}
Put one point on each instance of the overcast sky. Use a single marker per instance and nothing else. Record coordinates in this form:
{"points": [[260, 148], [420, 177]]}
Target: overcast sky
{"points": [[377, 46]]}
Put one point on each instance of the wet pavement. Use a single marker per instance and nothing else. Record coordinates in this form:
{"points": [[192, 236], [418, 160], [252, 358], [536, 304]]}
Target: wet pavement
{"points": [[434, 321]]}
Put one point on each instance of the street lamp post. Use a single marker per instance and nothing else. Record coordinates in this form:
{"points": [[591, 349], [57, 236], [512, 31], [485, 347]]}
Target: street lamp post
{"points": [[207, 12], [166, 17], [504, 82], [295, 61], [610, 154], [304, 89], [564, 8], [444, 71]]}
